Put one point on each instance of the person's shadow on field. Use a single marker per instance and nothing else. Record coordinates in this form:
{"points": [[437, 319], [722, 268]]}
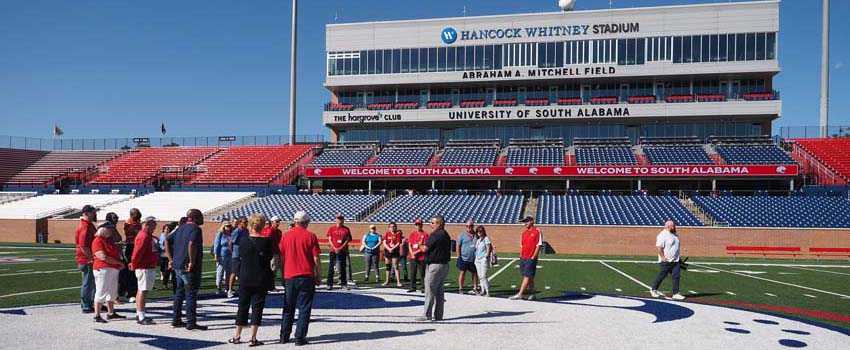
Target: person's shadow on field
{"points": [[356, 336]]}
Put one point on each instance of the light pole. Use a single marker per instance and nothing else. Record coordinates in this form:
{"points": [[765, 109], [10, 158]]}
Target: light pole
{"points": [[824, 73], [292, 72]]}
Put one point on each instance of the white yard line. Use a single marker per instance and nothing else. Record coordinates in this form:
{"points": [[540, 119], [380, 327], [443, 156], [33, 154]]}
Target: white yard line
{"points": [[36, 272], [700, 263], [626, 275], [693, 292], [770, 295], [777, 282], [730, 293], [824, 271], [810, 296], [38, 291], [509, 264], [37, 248], [618, 289]]}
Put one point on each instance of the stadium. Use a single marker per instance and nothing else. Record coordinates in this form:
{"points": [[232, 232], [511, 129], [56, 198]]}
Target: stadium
{"points": [[601, 125]]}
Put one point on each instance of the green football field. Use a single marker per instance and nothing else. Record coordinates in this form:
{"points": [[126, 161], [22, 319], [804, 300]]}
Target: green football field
{"points": [[812, 290]]}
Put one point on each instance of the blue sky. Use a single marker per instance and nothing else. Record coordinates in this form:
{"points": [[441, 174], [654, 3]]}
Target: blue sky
{"points": [[212, 67]]}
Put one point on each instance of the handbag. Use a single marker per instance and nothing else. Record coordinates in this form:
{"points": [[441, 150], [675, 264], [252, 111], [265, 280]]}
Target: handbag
{"points": [[494, 259]]}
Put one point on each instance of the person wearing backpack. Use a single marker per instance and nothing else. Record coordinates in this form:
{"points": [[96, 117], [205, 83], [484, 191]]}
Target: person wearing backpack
{"points": [[483, 249]]}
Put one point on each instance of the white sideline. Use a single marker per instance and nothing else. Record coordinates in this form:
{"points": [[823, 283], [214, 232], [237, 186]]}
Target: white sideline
{"points": [[36, 272], [493, 276], [627, 276], [38, 291], [778, 282], [696, 262], [824, 271]]}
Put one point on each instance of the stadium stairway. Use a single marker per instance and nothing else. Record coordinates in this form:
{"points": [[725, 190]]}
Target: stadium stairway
{"points": [[291, 173], [435, 160], [818, 172], [529, 208], [228, 208], [701, 214], [371, 160]]}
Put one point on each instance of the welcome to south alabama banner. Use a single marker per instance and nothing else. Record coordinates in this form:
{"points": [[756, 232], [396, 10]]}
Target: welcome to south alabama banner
{"points": [[557, 171]]}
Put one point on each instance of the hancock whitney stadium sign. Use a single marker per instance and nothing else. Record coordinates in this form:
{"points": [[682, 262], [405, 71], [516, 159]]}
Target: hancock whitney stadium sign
{"points": [[686, 171]]}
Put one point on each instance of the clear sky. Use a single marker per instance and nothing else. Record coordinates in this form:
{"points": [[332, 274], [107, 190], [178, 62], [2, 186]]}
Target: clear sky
{"points": [[109, 68]]}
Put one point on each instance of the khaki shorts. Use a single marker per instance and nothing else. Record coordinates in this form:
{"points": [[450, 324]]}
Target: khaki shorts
{"points": [[105, 285], [146, 279]]}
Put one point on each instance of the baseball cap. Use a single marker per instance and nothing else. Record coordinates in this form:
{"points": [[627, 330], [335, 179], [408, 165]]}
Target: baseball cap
{"points": [[150, 218], [301, 216], [340, 216], [527, 219], [275, 218], [88, 209], [418, 222]]}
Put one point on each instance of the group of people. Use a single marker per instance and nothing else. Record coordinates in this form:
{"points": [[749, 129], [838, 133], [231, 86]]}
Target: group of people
{"points": [[251, 249], [253, 252]]}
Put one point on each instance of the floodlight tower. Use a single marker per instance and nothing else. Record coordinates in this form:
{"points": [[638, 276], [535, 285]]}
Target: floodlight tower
{"points": [[292, 72], [824, 73]]}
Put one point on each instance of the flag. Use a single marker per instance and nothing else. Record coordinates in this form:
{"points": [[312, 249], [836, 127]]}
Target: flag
{"points": [[57, 131], [162, 128]]}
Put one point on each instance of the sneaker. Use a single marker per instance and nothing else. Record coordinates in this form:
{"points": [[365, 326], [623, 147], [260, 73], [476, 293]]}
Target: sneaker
{"points": [[472, 292], [132, 300], [678, 296], [411, 290], [398, 284], [346, 287], [299, 342], [230, 294], [385, 283], [88, 311], [178, 324], [351, 283], [147, 321], [98, 319], [196, 327], [515, 297], [115, 316], [531, 298], [654, 293], [423, 319]]}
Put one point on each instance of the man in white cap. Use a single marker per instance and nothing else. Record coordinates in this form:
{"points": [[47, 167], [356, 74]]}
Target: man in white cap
{"points": [[143, 261], [276, 235], [300, 252]]}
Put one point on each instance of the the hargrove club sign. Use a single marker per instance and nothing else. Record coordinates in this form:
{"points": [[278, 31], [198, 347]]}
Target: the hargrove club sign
{"points": [[557, 171]]}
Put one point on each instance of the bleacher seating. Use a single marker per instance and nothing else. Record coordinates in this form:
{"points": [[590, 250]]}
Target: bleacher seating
{"points": [[505, 102], [635, 210], [55, 204], [141, 165], [456, 208], [408, 157], [407, 153], [641, 99], [764, 211], [679, 98], [59, 163], [711, 97], [671, 155], [472, 103], [13, 161], [607, 100], [248, 165], [605, 156], [406, 105], [761, 96], [171, 206], [379, 106], [532, 102], [569, 101], [750, 150], [755, 154], [527, 152], [833, 152], [470, 152], [322, 208], [345, 154], [336, 107], [438, 104]]}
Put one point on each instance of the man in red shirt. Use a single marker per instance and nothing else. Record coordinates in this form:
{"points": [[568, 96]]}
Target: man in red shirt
{"points": [[338, 238], [299, 250], [143, 261], [275, 234], [84, 236], [417, 257], [531, 243]]}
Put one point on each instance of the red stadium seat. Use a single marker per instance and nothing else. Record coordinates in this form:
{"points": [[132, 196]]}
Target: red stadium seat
{"points": [[832, 152], [244, 165]]}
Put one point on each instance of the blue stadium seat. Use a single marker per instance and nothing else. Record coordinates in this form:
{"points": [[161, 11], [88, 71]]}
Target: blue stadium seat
{"points": [[484, 209], [342, 158], [469, 156], [754, 155], [408, 157], [763, 211], [522, 156], [677, 155], [635, 210], [605, 156], [322, 208]]}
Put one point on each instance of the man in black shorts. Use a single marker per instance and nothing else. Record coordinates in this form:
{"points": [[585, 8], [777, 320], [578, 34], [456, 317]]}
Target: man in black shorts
{"points": [[465, 250]]}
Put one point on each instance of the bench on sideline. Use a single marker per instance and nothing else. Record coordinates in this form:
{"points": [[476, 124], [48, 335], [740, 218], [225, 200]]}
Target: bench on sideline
{"points": [[763, 251], [818, 252]]}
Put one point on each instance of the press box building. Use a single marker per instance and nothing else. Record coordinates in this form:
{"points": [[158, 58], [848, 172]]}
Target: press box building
{"points": [[694, 70]]}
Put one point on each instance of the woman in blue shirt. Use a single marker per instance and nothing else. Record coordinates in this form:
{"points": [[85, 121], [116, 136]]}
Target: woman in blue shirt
{"points": [[371, 249], [223, 255], [483, 249]]}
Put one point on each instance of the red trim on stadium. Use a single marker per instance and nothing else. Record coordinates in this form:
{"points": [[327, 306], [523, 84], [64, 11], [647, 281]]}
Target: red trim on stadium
{"points": [[790, 310]]}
